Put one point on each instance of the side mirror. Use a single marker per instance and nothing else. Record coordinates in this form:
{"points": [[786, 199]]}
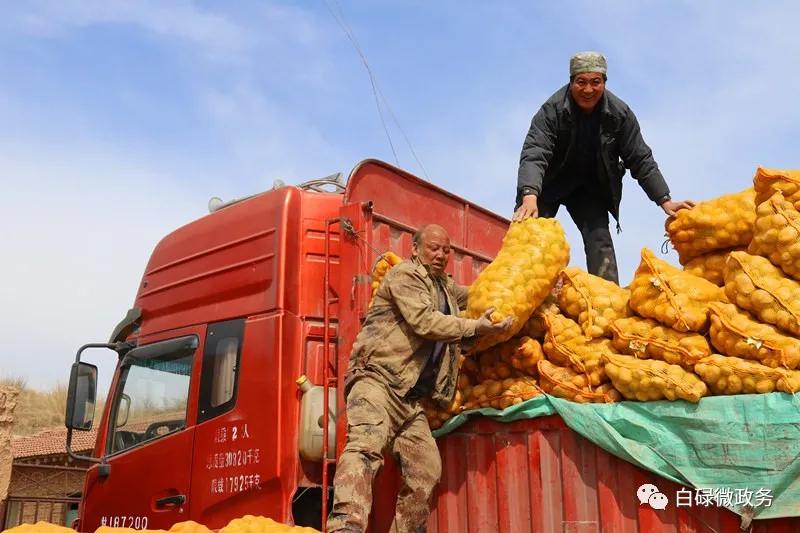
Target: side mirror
{"points": [[123, 410], [81, 397]]}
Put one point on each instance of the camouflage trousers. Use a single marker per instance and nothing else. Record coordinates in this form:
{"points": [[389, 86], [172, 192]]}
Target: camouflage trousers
{"points": [[378, 419]]}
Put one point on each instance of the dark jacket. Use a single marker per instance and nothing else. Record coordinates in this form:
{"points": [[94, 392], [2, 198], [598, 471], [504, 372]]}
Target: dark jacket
{"points": [[552, 135]]}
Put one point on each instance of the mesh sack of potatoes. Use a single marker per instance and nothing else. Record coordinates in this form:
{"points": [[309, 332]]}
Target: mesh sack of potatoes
{"points": [[500, 394], [789, 382], [592, 301], [724, 222], [383, 265], [535, 327], [733, 375], [756, 285], [675, 298], [710, 266], [650, 379], [260, 524], [437, 416], [645, 338], [768, 181], [564, 382], [565, 345], [737, 334], [777, 234], [533, 252]]}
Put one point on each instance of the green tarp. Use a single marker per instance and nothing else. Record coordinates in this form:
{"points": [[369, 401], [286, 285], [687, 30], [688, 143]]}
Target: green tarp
{"points": [[728, 447]]}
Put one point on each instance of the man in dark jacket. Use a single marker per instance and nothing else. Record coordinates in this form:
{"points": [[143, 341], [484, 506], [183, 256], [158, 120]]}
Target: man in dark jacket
{"points": [[577, 149]]}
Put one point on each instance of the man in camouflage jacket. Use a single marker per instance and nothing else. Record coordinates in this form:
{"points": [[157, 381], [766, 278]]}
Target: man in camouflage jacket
{"points": [[407, 350]]}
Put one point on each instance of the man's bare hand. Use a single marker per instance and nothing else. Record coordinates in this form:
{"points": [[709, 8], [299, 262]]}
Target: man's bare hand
{"points": [[529, 208], [487, 327], [670, 207]]}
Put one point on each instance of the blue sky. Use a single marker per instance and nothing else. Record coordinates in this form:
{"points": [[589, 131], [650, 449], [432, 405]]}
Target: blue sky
{"points": [[123, 118]]}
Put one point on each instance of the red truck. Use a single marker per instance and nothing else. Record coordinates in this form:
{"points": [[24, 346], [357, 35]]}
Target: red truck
{"points": [[205, 420]]}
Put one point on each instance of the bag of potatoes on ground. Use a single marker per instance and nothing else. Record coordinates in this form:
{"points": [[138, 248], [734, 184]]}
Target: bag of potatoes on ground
{"points": [[768, 181], [675, 298], [535, 327], [592, 301], [565, 383], [733, 375], [533, 252], [710, 266], [756, 285], [736, 333], [777, 234], [645, 338], [649, 379], [724, 222], [565, 345]]}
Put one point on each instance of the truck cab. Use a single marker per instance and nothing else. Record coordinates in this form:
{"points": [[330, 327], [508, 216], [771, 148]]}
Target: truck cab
{"points": [[202, 419]]}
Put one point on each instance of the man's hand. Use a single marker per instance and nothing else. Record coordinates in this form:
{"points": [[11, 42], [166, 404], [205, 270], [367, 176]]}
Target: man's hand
{"points": [[670, 207], [529, 208], [486, 326]]}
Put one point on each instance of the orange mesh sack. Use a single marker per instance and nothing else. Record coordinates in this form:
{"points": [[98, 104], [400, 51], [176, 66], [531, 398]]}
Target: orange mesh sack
{"points": [[533, 252], [724, 222], [565, 345], [777, 234], [500, 394], [790, 382], [518, 354], [737, 334], [768, 181], [648, 379], [593, 301], [383, 265], [645, 338], [565, 383], [535, 327], [732, 375], [675, 298], [259, 524], [756, 285], [710, 266]]}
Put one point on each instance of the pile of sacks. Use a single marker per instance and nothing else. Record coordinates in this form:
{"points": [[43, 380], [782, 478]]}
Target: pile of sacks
{"points": [[728, 322]]}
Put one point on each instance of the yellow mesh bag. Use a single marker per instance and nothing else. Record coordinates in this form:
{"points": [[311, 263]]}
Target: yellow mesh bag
{"points": [[737, 334], [777, 234], [789, 382], [535, 327], [568, 384], [645, 338], [756, 285], [259, 524], [724, 222], [565, 345], [768, 181], [383, 265], [675, 298], [710, 266], [732, 375], [649, 379], [500, 394], [533, 252], [509, 358], [592, 301]]}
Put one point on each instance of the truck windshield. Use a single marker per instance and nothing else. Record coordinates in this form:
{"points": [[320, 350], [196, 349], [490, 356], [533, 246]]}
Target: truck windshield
{"points": [[151, 399]]}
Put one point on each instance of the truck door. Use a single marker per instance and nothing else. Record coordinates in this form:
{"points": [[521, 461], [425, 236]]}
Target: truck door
{"points": [[149, 440]]}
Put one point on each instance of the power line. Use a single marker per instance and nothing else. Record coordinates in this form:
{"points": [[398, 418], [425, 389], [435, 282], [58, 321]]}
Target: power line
{"points": [[376, 91]]}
